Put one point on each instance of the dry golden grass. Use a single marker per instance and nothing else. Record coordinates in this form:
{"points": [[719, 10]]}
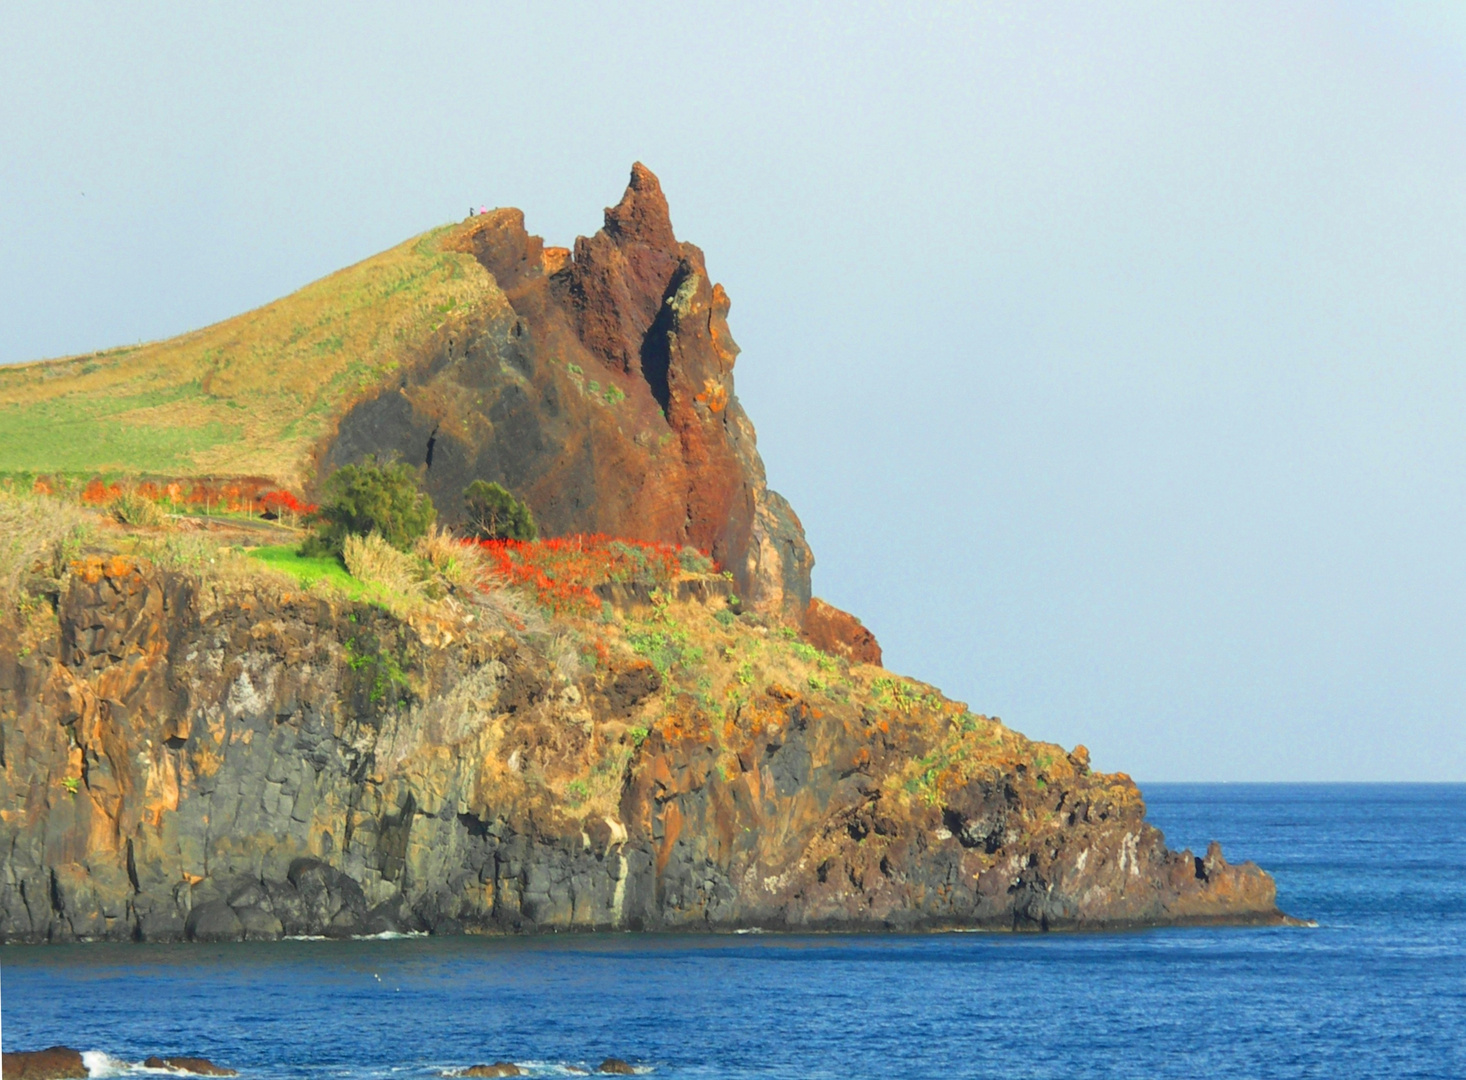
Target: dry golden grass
{"points": [[373, 561], [461, 565], [37, 529], [131, 508], [247, 396]]}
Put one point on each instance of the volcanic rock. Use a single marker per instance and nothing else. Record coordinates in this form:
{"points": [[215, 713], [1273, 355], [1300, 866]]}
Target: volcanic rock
{"points": [[55, 1063], [488, 787], [599, 389], [211, 753], [839, 633]]}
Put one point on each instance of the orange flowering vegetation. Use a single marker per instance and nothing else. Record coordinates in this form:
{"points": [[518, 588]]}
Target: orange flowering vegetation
{"points": [[564, 572], [236, 497]]}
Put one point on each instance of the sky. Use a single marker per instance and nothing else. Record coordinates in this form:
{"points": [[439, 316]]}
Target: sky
{"points": [[1113, 356]]}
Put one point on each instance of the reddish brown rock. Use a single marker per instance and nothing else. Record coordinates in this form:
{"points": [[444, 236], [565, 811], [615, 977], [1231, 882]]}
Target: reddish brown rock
{"points": [[55, 1063], [616, 1067], [599, 388], [839, 633]]}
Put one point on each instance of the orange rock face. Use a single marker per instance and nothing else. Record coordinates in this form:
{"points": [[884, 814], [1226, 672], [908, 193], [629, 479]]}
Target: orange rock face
{"points": [[601, 392], [840, 633]]}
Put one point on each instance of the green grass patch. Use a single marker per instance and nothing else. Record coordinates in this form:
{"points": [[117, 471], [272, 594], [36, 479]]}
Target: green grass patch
{"points": [[309, 569], [82, 434]]}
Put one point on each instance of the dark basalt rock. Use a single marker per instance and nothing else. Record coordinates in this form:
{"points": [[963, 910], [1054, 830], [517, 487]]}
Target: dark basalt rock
{"points": [[213, 921], [55, 1063], [187, 758]]}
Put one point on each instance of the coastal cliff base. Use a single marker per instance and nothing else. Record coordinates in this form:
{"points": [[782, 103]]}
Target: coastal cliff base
{"points": [[224, 757]]}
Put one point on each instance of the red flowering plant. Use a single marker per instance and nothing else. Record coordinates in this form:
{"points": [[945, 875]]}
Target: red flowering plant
{"points": [[564, 572], [284, 506]]}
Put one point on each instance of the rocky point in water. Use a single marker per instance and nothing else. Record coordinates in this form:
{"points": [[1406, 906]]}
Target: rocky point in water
{"points": [[204, 748], [64, 1063]]}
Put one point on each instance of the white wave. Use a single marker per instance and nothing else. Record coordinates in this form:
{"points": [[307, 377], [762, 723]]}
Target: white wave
{"points": [[554, 1068], [390, 935], [548, 1068], [101, 1063]]}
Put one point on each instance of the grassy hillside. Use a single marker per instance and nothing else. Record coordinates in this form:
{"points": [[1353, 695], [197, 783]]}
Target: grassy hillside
{"points": [[247, 396]]}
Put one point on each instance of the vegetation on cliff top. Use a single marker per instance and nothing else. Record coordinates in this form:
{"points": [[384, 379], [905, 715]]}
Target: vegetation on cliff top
{"points": [[371, 498], [247, 396]]}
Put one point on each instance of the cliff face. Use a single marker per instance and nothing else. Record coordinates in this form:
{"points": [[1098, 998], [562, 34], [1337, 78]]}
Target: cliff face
{"points": [[186, 759], [598, 386]]}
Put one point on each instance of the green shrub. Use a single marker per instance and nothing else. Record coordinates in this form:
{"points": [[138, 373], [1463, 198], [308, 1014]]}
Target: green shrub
{"points": [[372, 497], [131, 508], [694, 561], [495, 514]]}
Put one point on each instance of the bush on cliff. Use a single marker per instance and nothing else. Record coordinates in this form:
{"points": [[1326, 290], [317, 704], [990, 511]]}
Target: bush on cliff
{"points": [[372, 497], [495, 514]]}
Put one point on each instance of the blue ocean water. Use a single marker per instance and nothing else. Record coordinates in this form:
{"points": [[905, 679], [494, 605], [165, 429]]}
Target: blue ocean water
{"points": [[1378, 989]]}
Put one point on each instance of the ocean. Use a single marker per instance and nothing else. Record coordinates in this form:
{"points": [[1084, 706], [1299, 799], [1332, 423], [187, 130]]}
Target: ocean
{"points": [[1377, 989]]}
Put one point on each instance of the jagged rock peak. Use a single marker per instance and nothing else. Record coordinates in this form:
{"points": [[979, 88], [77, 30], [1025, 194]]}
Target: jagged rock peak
{"points": [[641, 217]]}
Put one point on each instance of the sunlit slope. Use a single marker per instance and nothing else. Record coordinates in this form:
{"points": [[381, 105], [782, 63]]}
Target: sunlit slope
{"points": [[247, 396]]}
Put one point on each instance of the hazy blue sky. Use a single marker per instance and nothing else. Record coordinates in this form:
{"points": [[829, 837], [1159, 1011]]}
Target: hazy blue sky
{"points": [[1113, 355]]}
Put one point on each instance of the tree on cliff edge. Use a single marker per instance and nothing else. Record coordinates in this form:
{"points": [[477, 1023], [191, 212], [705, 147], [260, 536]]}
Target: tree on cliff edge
{"points": [[373, 496]]}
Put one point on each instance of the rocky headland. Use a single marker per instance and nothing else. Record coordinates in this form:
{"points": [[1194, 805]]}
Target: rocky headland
{"points": [[196, 746]]}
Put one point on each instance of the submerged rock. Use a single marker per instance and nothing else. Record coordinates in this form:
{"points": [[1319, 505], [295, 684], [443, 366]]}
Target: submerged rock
{"points": [[195, 1065]]}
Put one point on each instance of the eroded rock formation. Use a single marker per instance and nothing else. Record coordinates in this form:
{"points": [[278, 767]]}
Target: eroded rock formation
{"points": [[597, 386]]}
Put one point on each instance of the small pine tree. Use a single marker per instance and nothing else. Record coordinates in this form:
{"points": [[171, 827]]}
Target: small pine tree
{"points": [[494, 514], [371, 497]]}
